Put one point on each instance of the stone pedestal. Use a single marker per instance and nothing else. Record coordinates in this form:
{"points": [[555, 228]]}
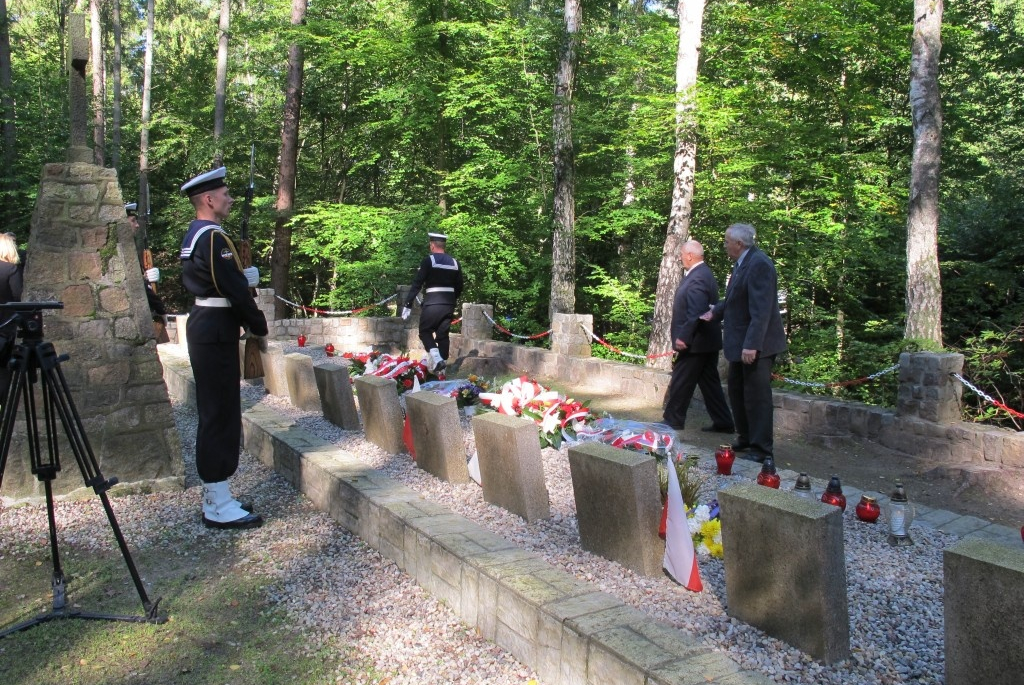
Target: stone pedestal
{"points": [[475, 324], [785, 568], [336, 395], [618, 505], [437, 435], [927, 391], [81, 251], [382, 414], [511, 468], [275, 377], [302, 386], [570, 334], [983, 594]]}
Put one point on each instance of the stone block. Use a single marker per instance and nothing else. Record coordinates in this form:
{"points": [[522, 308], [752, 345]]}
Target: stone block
{"points": [[275, 375], [335, 386], [511, 468], [302, 386], [983, 594], [382, 414], [785, 568], [437, 435], [618, 505]]}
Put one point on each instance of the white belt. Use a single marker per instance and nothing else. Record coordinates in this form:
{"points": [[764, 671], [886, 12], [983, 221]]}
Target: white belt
{"points": [[212, 302], [440, 290]]}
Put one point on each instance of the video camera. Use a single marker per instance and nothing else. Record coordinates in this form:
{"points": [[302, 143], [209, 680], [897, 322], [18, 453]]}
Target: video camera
{"points": [[29, 316]]}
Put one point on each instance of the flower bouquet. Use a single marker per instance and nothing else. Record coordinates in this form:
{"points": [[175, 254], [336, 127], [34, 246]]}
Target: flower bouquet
{"points": [[405, 371], [706, 529], [468, 393], [559, 418], [358, 361], [656, 439]]}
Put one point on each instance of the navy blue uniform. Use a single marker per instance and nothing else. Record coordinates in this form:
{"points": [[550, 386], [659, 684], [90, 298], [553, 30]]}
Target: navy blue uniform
{"points": [[440, 278], [212, 272]]}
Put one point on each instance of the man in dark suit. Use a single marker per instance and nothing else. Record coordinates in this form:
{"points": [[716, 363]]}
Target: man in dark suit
{"points": [[752, 336], [697, 344]]}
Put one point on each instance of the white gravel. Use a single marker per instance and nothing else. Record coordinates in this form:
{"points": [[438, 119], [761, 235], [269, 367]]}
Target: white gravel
{"points": [[337, 588]]}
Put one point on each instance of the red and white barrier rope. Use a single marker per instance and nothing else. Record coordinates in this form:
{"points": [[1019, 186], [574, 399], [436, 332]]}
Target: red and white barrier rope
{"points": [[506, 331], [1012, 412], [328, 312], [624, 354], [837, 384]]}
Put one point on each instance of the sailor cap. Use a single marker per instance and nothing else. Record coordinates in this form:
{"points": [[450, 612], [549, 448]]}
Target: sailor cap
{"points": [[206, 181], [437, 236], [130, 207]]}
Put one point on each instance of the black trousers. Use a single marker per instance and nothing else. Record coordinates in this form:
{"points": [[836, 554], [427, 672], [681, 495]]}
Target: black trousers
{"points": [[217, 373], [435, 320], [688, 372], [750, 394]]}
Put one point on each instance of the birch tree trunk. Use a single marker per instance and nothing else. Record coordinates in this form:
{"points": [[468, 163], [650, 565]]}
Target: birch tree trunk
{"points": [[98, 84], [115, 99], [563, 241], [691, 19], [222, 80], [924, 290], [147, 88], [289, 160], [8, 136]]}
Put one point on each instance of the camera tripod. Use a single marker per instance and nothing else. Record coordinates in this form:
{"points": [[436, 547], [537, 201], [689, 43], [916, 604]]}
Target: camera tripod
{"points": [[35, 361]]}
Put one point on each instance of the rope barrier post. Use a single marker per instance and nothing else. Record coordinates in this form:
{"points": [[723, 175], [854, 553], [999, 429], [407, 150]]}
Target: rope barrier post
{"points": [[568, 334], [476, 321], [927, 390]]}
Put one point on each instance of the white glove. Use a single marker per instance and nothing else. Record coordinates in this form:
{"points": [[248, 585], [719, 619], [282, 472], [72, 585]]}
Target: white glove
{"points": [[153, 275], [405, 313], [252, 275]]}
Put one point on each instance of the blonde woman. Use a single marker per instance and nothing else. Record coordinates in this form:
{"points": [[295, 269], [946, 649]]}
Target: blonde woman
{"points": [[11, 283]]}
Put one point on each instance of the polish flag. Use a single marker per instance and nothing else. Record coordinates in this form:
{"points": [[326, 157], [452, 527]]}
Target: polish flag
{"points": [[680, 558]]}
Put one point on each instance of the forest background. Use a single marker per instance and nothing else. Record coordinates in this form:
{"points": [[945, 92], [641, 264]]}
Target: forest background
{"points": [[436, 115]]}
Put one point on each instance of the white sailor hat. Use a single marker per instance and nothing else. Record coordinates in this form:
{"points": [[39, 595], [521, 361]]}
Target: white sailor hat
{"points": [[130, 207], [206, 181], [437, 236]]}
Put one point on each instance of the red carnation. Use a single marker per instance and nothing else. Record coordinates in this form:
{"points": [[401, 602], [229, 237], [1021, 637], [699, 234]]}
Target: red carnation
{"points": [[407, 383]]}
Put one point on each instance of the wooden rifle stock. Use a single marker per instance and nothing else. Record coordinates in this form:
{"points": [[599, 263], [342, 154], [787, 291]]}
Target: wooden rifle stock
{"points": [[252, 366]]}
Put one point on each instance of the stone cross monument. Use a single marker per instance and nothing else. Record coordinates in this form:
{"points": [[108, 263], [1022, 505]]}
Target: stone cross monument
{"points": [[81, 251]]}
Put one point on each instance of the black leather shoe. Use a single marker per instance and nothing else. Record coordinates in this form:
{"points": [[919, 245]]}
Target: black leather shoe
{"points": [[250, 521], [740, 446], [754, 456], [718, 429]]}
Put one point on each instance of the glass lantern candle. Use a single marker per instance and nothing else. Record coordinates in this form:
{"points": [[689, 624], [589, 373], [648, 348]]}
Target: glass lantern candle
{"points": [[803, 486], [768, 476], [724, 458], [834, 494], [900, 515], [329, 349], [302, 340], [867, 509]]}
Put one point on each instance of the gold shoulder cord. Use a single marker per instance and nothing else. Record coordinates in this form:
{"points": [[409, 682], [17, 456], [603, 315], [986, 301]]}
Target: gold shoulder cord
{"points": [[234, 253]]}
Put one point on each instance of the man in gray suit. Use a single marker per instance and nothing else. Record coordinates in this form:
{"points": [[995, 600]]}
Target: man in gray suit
{"points": [[697, 344], [752, 336]]}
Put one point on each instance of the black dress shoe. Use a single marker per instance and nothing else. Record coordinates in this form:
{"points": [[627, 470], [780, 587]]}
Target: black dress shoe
{"points": [[754, 456], [740, 446], [250, 521], [718, 429]]}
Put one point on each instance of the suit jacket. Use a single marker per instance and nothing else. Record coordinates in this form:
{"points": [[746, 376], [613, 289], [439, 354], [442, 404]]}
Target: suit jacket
{"points": [[696, 292], [751, 309]]}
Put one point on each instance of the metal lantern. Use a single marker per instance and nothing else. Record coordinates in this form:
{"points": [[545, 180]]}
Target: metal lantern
{"points": [[900, 514], [834, 494], [769, 477], [803, 486]]}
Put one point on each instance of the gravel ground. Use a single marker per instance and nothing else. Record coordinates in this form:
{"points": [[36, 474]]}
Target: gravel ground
{"points": [[338, 589], [894, 594]]}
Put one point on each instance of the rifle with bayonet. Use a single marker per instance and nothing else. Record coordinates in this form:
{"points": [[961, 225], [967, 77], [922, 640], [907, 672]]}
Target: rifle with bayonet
{"points": [[155, 305], [252, 366]]}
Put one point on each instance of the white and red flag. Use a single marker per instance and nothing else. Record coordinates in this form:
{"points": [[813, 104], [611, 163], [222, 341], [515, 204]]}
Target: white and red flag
{"points": [[680, 558]]}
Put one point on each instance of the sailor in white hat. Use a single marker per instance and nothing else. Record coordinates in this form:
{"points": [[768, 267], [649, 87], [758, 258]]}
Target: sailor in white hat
{"points": [[440, 278], [212, 272]]}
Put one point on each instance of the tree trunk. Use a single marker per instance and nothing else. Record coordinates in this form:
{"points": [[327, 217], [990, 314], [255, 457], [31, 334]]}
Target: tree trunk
{"points": [[563, 241], [924, 290], [8, 137], [98, 84], [222, 80], [691, 19], [115, 100], [289, 161], [147, 87]]}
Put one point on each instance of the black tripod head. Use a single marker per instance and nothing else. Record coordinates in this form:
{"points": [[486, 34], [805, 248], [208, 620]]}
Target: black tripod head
{"points": [[29, 316]]}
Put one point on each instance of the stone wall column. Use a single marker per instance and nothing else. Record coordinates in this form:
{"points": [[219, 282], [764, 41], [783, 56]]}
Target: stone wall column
{"points": [[475, 325], [568, 336], [927, 390]]}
